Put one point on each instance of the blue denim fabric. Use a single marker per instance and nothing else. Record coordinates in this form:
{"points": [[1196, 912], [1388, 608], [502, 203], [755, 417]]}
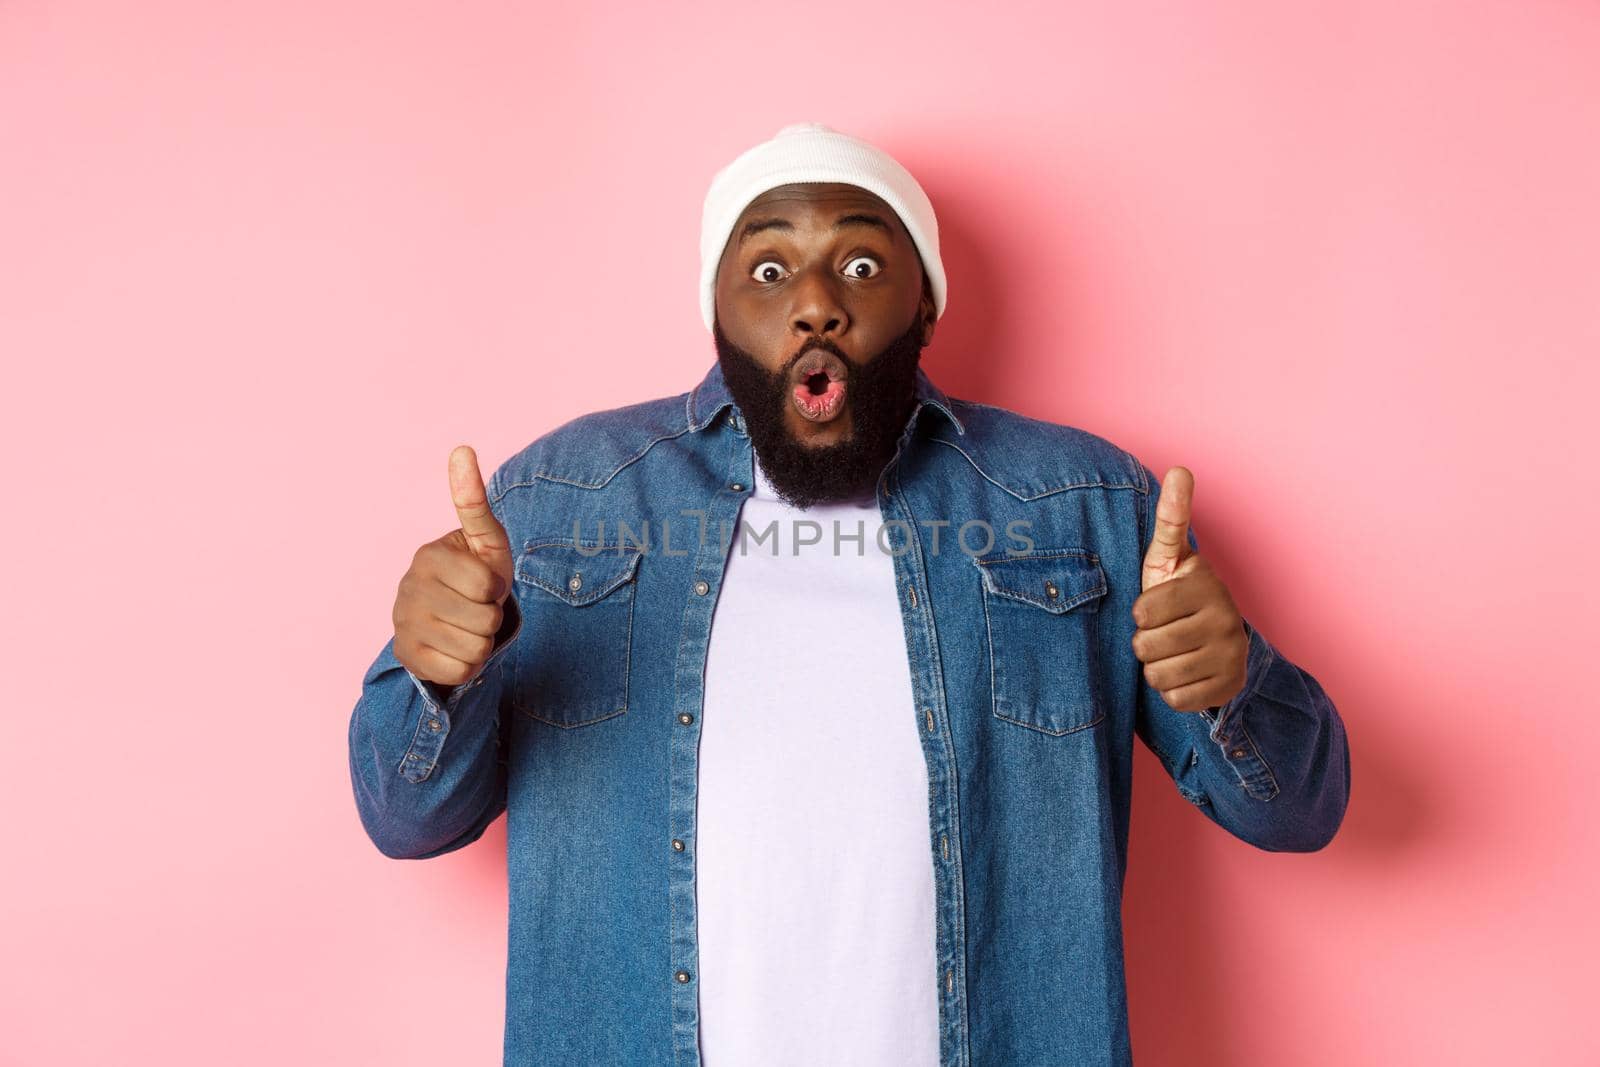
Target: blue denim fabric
{"points": [[584, 725]]}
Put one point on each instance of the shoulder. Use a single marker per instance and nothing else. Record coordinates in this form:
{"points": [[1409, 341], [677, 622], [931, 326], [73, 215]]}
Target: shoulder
{"points": [[589, 450], [1031, 457]]}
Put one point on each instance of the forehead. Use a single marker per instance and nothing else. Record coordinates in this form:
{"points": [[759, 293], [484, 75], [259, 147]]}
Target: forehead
{"points": [[799, 199]]}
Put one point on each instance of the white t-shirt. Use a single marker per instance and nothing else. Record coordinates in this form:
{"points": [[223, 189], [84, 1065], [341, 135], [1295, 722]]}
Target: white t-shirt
{"points": [[814, 863]]}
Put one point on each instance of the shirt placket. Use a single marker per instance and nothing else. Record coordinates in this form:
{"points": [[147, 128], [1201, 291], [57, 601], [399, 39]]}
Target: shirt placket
{"points": [[938, 751], [714, 522]]}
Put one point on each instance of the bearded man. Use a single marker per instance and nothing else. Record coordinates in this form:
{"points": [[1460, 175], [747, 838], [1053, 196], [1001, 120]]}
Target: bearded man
{"points": [[810, 693]]}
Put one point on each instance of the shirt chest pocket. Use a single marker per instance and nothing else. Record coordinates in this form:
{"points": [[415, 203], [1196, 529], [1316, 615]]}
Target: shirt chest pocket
{"points": [[1042, 611], [572, 659]]}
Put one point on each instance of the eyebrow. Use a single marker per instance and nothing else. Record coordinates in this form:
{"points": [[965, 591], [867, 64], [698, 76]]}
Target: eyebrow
{"points": [[755, 226]]}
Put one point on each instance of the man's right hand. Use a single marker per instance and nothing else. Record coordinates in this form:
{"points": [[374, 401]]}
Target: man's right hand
{"points": [[448, 608]]}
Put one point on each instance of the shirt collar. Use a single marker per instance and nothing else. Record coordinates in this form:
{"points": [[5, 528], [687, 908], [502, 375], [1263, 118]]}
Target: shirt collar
{"points": [[711, 396]]}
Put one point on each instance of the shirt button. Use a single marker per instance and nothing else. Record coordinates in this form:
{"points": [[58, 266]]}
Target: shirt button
{"points": [[686, 718], [575, 582], [682, 976], [433, 724], [1050, 590], [677, 846], [1238, 752], [701, 588], [737, 487]]}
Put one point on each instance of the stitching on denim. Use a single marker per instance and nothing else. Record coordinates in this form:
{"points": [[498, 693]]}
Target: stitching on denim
{"points": [[425, 767], [546, 474], [623, 574], [626, 577], [946, 407], [524, 709], [988, 633], [627, 653], [1054, 607], [614, 547], [1091, 631], [1047, 553], [688, 410], [1096, 696], [963, 1026], [1244, 724], [1048, 490]]}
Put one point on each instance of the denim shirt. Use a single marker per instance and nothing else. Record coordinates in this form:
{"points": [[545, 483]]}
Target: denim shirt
{"points": [[584, 724]]}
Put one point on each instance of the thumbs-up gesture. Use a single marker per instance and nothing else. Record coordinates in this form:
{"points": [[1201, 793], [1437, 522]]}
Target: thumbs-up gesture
{"points": [[1190, 637], [448, 608]]}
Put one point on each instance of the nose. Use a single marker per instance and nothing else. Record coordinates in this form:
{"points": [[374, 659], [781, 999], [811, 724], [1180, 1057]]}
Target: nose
{"points": [[817, 309]]}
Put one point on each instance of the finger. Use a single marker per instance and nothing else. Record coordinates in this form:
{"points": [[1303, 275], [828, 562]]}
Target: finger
{"points": [[440, 667], [1170, 542], [1196, 696], [471, 649], [1173, 598], [482, 617], [1173, 639], [467, 576], [485, 536], [1186, 668]]}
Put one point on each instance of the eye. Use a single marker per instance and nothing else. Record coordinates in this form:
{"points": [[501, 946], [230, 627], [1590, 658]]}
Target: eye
{"points": [[765, 271], [854, 271]]}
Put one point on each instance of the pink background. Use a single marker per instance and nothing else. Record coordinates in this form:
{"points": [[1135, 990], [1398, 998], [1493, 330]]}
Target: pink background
{"points": [[262, 266]]}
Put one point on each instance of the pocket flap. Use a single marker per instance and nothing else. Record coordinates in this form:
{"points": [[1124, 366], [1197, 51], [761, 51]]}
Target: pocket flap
{"points": [[578, 574], [1056, 580]]}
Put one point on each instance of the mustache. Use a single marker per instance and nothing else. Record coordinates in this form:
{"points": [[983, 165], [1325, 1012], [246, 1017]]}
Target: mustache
{"points": [[810, 346]]}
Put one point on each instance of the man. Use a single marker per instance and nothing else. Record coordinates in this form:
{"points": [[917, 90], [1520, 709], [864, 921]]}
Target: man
{"points": [[810, 693]]}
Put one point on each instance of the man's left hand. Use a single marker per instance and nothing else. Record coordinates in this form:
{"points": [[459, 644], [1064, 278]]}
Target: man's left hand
{"points": [[1190, 637]]}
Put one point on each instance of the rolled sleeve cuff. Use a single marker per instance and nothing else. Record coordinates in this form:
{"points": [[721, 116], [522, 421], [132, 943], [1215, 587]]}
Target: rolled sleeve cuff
{"points": [[441, 703], [1226, 723]]}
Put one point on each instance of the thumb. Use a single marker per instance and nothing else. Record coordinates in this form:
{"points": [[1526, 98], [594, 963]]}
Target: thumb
{"points": [[485, 536], [1170, 545]]}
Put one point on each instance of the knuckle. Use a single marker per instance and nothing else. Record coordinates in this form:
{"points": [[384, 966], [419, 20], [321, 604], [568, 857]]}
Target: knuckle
{"points": [[475, 578], [428, 556]]}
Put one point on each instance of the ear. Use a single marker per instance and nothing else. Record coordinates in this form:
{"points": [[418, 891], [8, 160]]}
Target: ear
{"points": [[927, 311]]}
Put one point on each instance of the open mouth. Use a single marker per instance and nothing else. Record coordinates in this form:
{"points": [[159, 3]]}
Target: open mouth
{"points": [[819, 385]]}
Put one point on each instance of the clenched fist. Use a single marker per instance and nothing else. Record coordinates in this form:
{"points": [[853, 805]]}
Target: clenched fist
{"points": [[448, 608], [1190, 638]]}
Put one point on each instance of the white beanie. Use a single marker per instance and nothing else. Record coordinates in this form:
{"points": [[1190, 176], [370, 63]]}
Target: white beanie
{"points": [[812, 152]]}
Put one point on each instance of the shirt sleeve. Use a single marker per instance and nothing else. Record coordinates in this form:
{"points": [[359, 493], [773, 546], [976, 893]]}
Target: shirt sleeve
{"points": [[1272, 765], [427, 761]]}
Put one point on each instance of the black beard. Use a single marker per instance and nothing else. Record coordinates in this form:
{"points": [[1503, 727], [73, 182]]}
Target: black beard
{"points": [[880, 394]]}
